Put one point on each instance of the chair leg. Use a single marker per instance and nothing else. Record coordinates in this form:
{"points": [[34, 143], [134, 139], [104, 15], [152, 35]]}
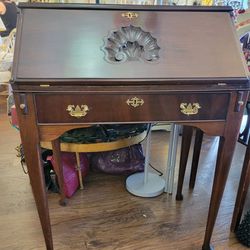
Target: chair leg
{"points": [[242, 191], [224, 158], [185, 146], [196, 156]]}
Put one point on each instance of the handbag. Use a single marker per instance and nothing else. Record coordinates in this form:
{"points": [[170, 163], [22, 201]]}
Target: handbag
{"points": [[122, 161], [70, 173]]}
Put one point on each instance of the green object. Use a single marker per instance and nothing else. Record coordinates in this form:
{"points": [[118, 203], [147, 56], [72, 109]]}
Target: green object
{"points": [[103, 133], [243, 231]]}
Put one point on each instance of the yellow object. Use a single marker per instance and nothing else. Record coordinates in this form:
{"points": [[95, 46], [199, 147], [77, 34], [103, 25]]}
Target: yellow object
{"points": [[135, 102], [100, 146], [77, 111], [130, 15], [190, 108], [79, 170], [207, 2]]}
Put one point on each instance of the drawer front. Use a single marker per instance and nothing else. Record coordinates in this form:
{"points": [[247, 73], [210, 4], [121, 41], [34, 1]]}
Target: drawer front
{"points": [[101, 108]]}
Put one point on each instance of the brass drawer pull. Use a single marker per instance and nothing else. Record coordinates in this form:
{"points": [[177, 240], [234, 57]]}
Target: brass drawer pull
{"points": [[77, 111], [190, 109], [135, 102]]}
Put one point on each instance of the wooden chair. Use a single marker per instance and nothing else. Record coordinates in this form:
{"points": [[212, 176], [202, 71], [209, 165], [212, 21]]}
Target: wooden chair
{"points": [[185, 146], [242, 191], [244, 179]]}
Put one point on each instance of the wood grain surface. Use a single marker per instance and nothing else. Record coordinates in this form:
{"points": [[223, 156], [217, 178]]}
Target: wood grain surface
{"points": [[189, 47], [105, 216]]}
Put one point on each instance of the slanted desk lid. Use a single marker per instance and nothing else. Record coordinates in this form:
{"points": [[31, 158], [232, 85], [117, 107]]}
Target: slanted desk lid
{"points": [[100, 42]]}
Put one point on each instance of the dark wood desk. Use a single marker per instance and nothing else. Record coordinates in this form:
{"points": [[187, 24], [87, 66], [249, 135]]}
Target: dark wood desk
{"points": [[76, 65]]}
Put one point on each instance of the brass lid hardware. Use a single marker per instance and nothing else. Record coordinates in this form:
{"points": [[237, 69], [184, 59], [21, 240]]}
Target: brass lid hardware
{"points": [[44, 85], [130, 15]]}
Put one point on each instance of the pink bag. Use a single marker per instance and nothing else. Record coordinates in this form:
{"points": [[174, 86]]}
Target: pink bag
{"points": [[70, 172]]}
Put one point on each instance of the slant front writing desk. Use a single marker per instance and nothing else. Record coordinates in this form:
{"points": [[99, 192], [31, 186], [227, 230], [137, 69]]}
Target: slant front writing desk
{"points": [[83, 64]]}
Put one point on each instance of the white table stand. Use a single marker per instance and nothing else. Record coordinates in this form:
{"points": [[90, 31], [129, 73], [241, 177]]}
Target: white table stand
{"points": [[146, 184]]}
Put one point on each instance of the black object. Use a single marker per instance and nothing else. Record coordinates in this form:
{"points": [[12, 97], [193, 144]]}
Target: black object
{"points": [[244, 135], [49, 173], [103, 133], [243, 231], [9, 18]]}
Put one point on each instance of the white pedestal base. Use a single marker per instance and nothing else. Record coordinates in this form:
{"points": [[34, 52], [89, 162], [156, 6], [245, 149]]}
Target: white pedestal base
{"points": [[153, 187]]}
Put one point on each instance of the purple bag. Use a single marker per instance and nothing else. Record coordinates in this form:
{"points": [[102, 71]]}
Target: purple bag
{"points": [[123, 161]]}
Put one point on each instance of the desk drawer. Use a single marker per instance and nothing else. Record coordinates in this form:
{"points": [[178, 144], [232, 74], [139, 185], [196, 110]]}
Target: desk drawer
{"points": [[80, 108]]}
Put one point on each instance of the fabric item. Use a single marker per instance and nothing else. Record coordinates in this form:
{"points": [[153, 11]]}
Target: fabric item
{"points": [[243, 231], [102, 133], [70, 172], [6, 63], [123, 161], [14, 121], [9, 18]]}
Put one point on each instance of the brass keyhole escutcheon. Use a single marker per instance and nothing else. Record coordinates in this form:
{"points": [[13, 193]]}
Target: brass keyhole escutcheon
{"points": [[130, 15], [135, 102]]}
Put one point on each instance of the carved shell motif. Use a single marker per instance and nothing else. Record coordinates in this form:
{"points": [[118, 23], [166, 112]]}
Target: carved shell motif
{"points": [[130, 43]]}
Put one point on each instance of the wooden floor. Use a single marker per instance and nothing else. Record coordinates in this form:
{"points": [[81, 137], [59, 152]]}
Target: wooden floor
{"points": [[105, 216]]}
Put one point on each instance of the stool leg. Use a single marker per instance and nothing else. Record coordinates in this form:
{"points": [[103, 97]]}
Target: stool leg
{"points": [[242, 191], [79, 170], [58, 164], [185, 146], [196, 156]]}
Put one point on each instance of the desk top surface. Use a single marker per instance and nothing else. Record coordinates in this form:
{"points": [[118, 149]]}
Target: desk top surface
{"points": [[108, 43]]}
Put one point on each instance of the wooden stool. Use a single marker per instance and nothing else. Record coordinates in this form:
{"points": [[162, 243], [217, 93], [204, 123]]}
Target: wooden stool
{"points": [[57, 147]]}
